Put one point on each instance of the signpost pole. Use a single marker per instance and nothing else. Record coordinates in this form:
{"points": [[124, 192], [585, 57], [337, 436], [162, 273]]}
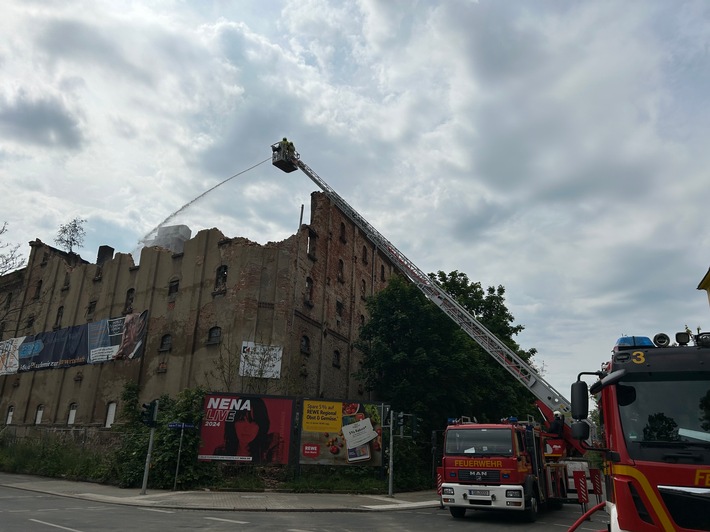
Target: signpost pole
{"points": [[390, 491], [150, 449], [177, 467]]}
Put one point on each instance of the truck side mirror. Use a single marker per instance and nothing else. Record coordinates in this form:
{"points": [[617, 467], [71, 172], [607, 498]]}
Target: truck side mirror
{"points": [[580, 430], [580, 400]]}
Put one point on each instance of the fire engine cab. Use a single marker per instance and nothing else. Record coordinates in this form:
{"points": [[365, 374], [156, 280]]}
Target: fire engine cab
{"points": [[507, 466]]}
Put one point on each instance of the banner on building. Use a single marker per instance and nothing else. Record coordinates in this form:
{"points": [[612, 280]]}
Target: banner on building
{"points": [[259, 360], [90, 343], [335, 433], [252, 429], [117, 338]]}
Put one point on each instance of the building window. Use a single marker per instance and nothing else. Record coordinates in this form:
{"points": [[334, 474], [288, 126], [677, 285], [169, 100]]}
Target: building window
{"points": [[8, 300], [214, 335], [58, 320], [341, 271], [363, 289], [382, 272], [91, 309], [339, 308], [2, 329], [72, 413], [10, 413], [336, 358], [166, 343], [308, 296], [220, 283], [38, 414], [98, 273], [311, 244], [65, 286], [342, 233], [30, 322], [110, 414], [130, 295], [173, 287], [305, 345], [362, 320], [38, 289]]}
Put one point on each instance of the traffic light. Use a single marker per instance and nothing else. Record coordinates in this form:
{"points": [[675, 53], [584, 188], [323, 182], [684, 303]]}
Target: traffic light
{"points": [[400, 419], [149, 413]]}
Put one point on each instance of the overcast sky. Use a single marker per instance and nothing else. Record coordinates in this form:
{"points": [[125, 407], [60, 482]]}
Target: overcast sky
{"points": [[557, 148]]}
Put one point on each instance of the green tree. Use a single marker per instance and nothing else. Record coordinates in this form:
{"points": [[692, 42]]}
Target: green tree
{"points": [[417, 359], [71, 235]]}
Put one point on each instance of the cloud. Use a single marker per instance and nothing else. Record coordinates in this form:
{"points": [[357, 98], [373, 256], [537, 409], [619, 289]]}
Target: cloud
{"points": [[41, 121]]}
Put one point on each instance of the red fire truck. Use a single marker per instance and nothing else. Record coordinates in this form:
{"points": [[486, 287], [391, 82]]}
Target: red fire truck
{"points": [[654, 401], [507, 466]]}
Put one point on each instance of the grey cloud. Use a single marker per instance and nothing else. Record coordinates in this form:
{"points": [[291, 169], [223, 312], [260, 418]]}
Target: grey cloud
{"points": [[44, 121], [70, 39]]}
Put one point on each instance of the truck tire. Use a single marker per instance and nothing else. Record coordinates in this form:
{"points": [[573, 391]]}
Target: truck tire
{"points": [[457, 512], [531, 508]]}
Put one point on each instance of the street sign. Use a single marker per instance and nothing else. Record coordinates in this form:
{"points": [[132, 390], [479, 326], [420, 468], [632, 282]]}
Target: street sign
{"points": [[178, 425]]}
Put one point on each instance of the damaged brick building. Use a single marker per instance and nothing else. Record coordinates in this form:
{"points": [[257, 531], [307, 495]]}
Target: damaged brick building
{"points": [[209, 301]]}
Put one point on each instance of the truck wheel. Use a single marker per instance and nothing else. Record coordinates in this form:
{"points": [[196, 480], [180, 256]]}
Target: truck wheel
{"points": [[531, 510], [457, 512]]}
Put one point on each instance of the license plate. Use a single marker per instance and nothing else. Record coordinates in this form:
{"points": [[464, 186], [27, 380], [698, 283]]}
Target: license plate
{"points": [[480, 493]]}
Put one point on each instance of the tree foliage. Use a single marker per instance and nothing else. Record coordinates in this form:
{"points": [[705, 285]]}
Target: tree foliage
{"points": [[421, 362], [71, 235]]}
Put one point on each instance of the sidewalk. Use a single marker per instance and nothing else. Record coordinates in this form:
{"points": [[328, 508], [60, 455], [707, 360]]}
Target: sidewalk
{"points": [[271, 501]]}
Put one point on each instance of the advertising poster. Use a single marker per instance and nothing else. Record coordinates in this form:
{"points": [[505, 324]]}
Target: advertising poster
{"points": [[10, 355], [335, 433], [57, 349], [252, 429], [117, 338], [90, 343]]}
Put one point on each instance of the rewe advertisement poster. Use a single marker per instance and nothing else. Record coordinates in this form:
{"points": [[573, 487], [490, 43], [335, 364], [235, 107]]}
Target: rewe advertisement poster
{"points": [[336, 433]]}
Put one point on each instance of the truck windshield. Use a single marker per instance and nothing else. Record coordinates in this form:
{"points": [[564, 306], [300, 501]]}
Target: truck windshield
{"points": [[665, 414], [478, 441]]}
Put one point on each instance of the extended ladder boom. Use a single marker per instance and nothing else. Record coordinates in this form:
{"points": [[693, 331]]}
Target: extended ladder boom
{"points": [[510, 360]]}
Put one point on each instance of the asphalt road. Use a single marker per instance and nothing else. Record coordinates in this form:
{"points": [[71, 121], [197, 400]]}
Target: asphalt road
{"points": [[24, 511]]}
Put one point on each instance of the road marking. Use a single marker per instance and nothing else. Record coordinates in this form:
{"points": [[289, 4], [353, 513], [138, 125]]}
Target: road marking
{"points": [[55, 526], [228, 520], [158, 510]]}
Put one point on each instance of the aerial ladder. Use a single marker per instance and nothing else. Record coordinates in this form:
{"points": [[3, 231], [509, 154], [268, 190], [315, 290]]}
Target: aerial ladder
{"points": [[549, 400]]}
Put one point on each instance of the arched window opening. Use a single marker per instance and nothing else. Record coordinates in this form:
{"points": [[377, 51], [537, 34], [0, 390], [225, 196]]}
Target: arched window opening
{"points": [[305, 345], [10, 413], [72, 413], [38, 414], [214, 335], [130, 295], [220, 282], [58, 319], [166, 343], [364, 254], [110, 414], [336, 358]]}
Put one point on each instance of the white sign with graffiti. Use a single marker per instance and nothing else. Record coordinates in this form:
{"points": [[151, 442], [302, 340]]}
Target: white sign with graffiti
{"points": [[259, 360]]}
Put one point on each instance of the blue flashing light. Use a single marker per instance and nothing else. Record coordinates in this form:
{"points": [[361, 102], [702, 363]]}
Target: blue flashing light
{"points": [[627, 342]]}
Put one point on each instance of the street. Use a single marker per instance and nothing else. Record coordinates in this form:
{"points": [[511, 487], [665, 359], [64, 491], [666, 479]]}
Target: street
{"points": [[25, 511]]}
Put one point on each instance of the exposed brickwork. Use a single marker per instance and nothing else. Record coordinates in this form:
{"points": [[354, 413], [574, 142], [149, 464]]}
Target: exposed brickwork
{"points": [[266, 299]]}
